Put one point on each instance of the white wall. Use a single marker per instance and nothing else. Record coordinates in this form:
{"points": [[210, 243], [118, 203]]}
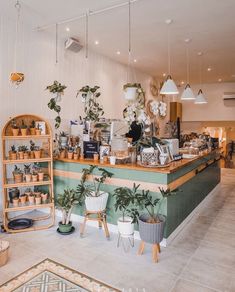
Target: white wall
{"points": [[215, 110], [36, 58]]}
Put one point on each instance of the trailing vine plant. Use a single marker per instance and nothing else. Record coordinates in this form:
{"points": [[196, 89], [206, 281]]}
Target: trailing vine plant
{"points": [[93, 110], [58, 89]]}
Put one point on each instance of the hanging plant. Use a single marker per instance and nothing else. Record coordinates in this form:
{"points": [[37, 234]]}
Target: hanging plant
{"points": [[58, 89], [93, 110]]}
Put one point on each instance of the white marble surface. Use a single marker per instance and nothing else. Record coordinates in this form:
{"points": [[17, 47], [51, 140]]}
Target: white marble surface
{"points": [[200, 259]]}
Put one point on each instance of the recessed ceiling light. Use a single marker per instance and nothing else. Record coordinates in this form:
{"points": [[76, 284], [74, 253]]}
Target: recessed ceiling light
{"points": [[182, 82], [135, 60], [96, 42], [164, 74], [67, 29], [219, 80], [209, 69], [118, 52]]}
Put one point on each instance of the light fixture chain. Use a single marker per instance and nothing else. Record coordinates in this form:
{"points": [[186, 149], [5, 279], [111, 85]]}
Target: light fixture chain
{"points": [[168, 49], [18, 8], [87, 32], [56, 43], [129, 41], [187, 57]]}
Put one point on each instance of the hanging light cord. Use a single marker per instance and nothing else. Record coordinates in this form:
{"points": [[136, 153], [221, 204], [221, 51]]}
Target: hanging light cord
{"points": [[87, 33], [187, 68], [18, 7], [129, 41], [56, 43], [168, 49]]}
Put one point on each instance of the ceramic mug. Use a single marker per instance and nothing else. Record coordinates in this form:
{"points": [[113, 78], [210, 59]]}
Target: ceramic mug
{"points": [[112, 160]]}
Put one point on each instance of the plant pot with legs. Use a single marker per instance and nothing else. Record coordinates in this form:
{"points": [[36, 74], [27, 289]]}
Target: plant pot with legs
{"points": [[65, 203], [95, 199]]}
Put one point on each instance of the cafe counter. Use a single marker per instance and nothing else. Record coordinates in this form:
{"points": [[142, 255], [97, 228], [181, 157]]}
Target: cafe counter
{"points": [[193, 178]]}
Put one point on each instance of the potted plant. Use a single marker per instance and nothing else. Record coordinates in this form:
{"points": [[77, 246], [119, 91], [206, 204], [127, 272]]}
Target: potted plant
{"points": [[34, 176], [58, 89], [62, 153], [32, 128], [93, 110], [37, 152], [31, 198], [38, 199], [28, 191], [23, 128], [13, 193], [21, 150], [151, 224], [70, 153], [44, 197], [23, 198], [65, 203], [15, 202], [95, 199], [125, 201], [17, 174], [14, 128], [27, 172], [38, 130], [13, 153], [63, 139], [32, 148]]}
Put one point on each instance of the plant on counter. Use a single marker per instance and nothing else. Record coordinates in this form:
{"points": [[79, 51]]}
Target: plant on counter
{"points": [[14, 128], [93, 110], [151, 225], [58, 89], [17, 174], [125, 203], [65, 203], [63, 138], [95, 199]]}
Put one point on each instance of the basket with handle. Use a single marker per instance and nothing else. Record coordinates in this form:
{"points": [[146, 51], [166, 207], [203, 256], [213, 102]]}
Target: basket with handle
{"points": [[4, 249]]}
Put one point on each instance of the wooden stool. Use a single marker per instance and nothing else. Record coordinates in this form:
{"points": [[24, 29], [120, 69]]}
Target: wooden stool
{"points": [[155, 250], [100, 217]]}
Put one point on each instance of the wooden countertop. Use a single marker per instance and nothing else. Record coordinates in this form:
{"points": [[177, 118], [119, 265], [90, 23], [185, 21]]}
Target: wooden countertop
{"points": [[173, 167]]}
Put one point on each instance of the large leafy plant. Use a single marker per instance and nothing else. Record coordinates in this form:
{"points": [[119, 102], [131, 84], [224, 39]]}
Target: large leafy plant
{"points": [[66, 202], [56, 87], [86, 189], [93, 110]]}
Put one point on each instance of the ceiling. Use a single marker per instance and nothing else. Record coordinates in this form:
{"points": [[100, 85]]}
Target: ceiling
{"points": [[210, 24]]}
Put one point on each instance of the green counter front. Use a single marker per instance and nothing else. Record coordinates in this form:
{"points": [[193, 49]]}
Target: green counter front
{"points": [[194, 179]]}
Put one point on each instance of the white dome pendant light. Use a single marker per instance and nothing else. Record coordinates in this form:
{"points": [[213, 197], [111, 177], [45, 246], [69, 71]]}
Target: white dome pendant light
{"points": [[169, 86], [200, 98], [187, 93]]}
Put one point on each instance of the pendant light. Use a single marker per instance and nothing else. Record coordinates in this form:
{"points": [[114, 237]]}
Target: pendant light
{"points": [[169, 86], [200, 98], [187, 93]]}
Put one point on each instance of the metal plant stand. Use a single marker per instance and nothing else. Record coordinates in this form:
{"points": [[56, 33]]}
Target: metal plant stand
{"points": [[127, 241]]}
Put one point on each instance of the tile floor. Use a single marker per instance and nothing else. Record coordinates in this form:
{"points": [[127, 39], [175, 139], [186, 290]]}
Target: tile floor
{"points": [[200, 259]]}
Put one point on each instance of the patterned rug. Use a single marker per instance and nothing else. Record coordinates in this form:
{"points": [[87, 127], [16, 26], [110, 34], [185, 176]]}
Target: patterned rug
{"points": [[49, 276]]}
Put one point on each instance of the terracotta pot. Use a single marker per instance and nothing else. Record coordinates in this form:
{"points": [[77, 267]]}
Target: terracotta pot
{"points": [[17, 77], [37, 154], [18, 177], [44, 197], [82, 157], [21, 155], [32, 131], [15, 202], [38, 200], [34, 177], [24, 132], [31, 155], [75, 156], [105, 159], [40, 176], [96, 157], [38, 132], [12, 155], [28, 177], [31, 200], [62, 154], [23, 199], [15, 132], [70, 155], [26, 155]]}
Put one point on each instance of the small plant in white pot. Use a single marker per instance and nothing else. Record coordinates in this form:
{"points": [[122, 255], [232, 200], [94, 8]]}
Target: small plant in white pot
{"points": [[95, 199], [125, 200], [65, 203]]}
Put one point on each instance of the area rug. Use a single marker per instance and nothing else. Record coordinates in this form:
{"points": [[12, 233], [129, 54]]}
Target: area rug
{"points": [[50, 276]]}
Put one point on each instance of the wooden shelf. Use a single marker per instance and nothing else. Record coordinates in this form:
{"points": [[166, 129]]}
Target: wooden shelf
{"points": [[30, 137], [27, 206], [44, 159], [11, 183]]}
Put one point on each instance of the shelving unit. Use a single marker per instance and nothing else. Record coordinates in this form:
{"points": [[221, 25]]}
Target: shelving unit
{"points": [[7, 183]]}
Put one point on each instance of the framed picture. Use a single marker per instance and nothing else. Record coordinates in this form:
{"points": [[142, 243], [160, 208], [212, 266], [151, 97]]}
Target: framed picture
{"points": [[42, 126]]}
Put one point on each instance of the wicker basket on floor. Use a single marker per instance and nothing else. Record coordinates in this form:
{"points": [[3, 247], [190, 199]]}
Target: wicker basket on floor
{"points": [[4, 248]]}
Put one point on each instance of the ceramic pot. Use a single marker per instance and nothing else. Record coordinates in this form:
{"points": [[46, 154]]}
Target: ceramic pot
{"points": [[28, 177], [17, 77], [13, 193], [96, 157], [96, 204], [26, 155], [23, 132], [32, 131], [23, 199], [21, 154], [38, 200], [44, 197], [18, 177], [62, 154], [31, 155], [125, 228], [70, 155], [130, 93], [37, 154], [16, 202], [65, 228], [151, 232], [15, 132], [82, 157], [38, 132], [34, 177], [31, 200], [75, 156], [40, 176]]}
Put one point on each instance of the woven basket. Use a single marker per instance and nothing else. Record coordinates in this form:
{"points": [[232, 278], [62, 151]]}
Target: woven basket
{"points": [[4, 248], [149, 158]]}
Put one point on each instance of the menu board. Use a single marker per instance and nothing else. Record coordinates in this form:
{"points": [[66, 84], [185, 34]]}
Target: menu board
{"points": [[90, 148]]}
